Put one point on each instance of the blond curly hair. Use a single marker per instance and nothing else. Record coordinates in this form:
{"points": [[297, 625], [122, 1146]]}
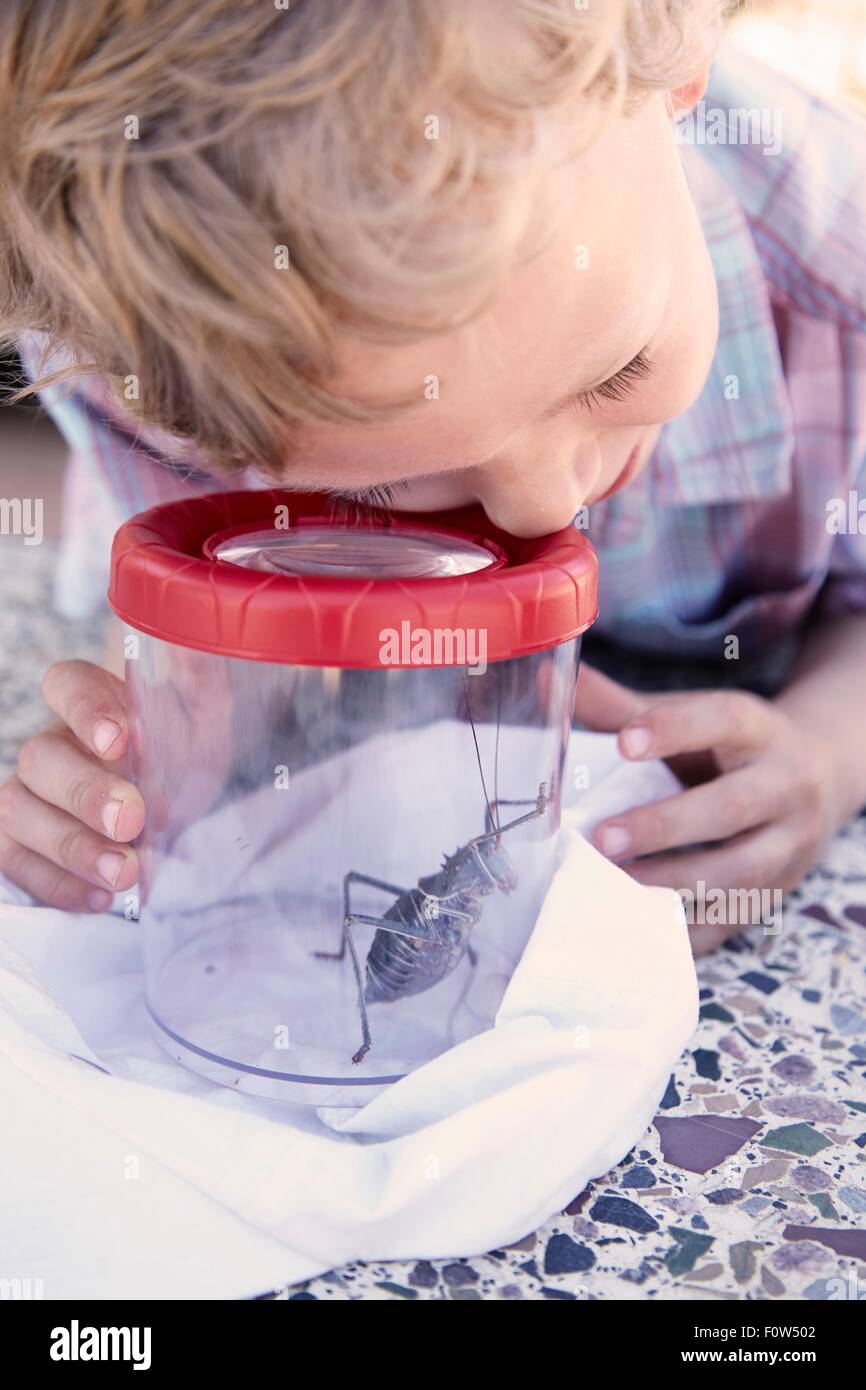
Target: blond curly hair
{"points": [[203, 198]]}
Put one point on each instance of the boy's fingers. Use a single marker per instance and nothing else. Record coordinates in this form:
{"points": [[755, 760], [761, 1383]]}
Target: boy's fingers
{"points": [[752, 861], [715, 810], [695, 722], [603, 704], [56, 769], [64, 840], [47, 882], [91, 702]]}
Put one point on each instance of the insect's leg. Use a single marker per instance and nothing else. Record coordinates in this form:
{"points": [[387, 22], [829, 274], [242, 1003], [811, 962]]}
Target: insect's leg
{"points": [[350, 919], [424, 931], [348, 940], [353, 876], [491, 812], [366, 1039], [454, 914], [541, 803]]}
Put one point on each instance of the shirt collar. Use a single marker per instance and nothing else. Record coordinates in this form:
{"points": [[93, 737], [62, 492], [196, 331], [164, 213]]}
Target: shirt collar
{"points": [[737, 441]]}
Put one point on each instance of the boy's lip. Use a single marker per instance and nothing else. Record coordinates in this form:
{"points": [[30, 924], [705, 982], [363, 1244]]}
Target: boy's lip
{"points": [[629, 470]]}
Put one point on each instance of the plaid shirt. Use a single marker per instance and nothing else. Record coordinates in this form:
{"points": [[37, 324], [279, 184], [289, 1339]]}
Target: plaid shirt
{"points": [[725, 534]]}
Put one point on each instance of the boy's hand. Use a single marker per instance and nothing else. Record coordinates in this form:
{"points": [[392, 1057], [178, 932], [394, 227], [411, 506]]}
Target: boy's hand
{"points": [[760, 790], [67, 813]]}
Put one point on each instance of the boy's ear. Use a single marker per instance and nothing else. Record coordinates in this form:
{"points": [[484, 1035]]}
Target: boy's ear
{"points": [[686, 98]]}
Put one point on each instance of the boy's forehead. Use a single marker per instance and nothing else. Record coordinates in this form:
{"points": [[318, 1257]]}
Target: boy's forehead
{"points": [[598, 310], [575, 312], [555, 328]]}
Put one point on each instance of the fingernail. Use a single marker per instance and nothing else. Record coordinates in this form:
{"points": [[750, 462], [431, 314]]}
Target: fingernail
{"points": [[109, 866], [110, 812], [99, 900], [636, 741], [613, 841], [104, 735]]}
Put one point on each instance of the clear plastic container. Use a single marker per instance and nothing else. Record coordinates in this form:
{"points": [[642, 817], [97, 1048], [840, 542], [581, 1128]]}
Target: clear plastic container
{"points": [[345, 848]]}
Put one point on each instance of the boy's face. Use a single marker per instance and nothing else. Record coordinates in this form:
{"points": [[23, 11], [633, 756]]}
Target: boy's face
{"points": [[510, 428]]}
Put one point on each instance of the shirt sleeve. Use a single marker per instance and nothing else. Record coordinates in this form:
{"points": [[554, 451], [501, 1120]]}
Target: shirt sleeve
{"points": [[114, 471], [844, 590], [845, 587], [107, 480], [90, 517]]}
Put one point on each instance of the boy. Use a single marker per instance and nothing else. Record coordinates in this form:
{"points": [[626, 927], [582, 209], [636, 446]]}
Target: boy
{"points": [[455, 252]]}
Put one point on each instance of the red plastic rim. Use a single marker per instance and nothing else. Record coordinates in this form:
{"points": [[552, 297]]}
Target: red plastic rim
{"points": [[166, 582]]}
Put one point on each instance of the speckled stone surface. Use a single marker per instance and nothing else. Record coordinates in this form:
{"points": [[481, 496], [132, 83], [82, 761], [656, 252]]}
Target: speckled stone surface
{"points": [[32, 637], [751, 1183]]}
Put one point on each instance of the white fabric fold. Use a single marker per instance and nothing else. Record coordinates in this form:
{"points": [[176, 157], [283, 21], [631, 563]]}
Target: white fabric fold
{"points": [[122, 1175]]}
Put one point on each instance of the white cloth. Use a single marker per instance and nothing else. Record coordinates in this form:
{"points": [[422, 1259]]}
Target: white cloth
{"points": [[123, 1175]]}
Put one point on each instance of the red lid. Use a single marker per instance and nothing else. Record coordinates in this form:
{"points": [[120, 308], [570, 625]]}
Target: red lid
{"points": [[295, 589]]}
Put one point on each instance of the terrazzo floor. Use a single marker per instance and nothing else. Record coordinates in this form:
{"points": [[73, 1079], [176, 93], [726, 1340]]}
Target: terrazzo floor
{"points": [[751, 1182]]}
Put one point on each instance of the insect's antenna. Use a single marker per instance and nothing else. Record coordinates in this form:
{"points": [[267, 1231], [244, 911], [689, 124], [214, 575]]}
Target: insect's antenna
{"points": [[478, 754]]}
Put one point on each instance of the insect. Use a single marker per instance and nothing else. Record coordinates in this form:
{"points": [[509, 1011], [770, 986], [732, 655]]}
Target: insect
{"points": [[423, 935]]}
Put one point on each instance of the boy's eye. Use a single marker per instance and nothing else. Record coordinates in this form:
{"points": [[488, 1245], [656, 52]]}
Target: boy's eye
{"points": [[617, 388], [620, 386], [378, 495]]}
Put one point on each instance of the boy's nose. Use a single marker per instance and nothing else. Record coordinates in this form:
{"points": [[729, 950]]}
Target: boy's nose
{"points": [[535, 497]]}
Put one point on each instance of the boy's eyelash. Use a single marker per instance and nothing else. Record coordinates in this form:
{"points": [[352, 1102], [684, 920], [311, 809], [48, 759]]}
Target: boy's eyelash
{"points": [[620, 386], [378, 495]]}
